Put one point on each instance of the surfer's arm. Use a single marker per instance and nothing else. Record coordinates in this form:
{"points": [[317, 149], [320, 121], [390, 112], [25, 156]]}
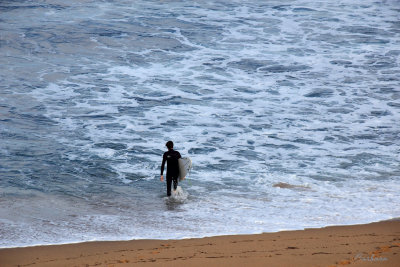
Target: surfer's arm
{"points": [[162, 168], [163, 164]]}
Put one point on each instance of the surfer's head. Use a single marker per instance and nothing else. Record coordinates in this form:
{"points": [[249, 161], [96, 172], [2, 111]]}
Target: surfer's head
{"points": [[170, 145]]}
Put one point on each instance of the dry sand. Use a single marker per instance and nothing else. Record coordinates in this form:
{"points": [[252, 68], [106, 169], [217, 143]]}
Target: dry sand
{"points": [[375, 244]]}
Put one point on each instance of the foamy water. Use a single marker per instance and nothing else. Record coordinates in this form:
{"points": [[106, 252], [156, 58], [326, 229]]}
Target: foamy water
{"points": [[288, 110]]}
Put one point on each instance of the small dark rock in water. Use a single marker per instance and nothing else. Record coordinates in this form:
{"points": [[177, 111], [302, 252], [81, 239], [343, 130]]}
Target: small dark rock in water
{"points": [[283, 185], [290, 186]]}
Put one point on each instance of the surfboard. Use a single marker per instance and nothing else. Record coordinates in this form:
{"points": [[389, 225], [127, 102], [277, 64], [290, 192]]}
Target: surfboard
{"points": [[185, 164]]}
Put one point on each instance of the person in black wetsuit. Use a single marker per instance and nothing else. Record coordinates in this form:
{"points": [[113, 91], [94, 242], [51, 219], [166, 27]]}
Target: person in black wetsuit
{"points": [[171, 157]]}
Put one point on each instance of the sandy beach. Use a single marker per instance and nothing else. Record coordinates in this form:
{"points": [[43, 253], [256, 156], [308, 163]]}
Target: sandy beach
{"points": [[375, 244]]}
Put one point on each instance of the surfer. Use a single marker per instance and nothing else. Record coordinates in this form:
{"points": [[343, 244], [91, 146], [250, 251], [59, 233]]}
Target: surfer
{"points": [[171, 157]]}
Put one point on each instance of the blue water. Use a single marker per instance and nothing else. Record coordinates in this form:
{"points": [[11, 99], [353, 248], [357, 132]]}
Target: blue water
{"points": [[289, 110]]}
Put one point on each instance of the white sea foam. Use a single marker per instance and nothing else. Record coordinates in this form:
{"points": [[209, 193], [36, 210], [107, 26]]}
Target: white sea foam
{"points": [[179, 195]]}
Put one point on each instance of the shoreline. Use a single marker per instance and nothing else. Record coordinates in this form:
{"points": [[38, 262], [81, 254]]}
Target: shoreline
{"points": [[186, 238], [373, 244]]}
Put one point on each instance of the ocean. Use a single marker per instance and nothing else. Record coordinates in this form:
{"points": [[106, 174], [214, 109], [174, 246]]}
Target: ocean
{"points": [[289, 110]]}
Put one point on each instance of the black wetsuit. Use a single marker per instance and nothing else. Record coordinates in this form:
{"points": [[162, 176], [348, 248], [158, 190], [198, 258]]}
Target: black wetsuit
{"points": [[171, 157]]}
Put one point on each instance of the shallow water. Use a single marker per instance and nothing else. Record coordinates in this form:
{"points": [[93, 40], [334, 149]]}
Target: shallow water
{"points": [[289, 111]]}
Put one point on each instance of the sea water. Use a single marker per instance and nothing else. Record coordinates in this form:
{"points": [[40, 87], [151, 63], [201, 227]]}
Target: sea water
{"points": [[289, 110]]}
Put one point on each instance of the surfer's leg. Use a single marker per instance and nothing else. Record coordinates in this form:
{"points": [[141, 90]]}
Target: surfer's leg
{"points": [[169, 182], [175, 182]]}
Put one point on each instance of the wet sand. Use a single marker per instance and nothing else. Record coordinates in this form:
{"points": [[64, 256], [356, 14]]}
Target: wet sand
{"points": [[375, 244]]}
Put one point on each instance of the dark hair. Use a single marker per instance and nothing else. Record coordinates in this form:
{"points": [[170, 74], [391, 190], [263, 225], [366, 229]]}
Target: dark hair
{"points": [[170, 144]]}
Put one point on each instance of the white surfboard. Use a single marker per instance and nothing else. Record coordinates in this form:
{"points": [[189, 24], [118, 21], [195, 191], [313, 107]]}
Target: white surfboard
{"points": [[185, 164]]}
